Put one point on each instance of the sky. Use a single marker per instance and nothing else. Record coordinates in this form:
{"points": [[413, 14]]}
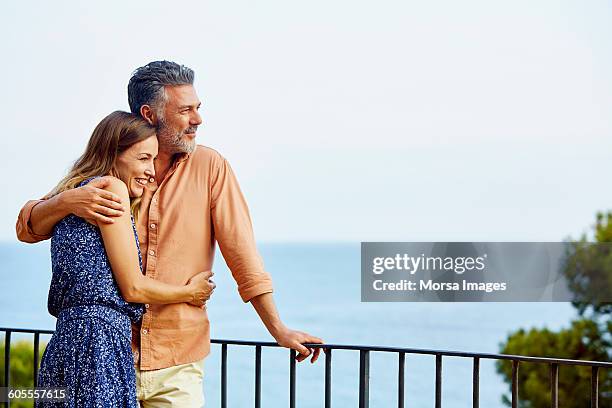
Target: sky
{"points": [[343, 120]]}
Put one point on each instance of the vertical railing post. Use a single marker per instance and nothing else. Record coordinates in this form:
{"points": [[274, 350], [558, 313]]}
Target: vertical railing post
{"points": [[476, 383], [401, 362], [257, 376], [292, 355], [515, 396], [36, 347], [595, 387], [223, 375], [7, 363], [7, 359], [364, 379], [438, 381], [554, 385], [328, 385]]}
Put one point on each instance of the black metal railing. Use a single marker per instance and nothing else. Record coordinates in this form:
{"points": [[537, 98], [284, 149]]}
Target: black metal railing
{"points": [[364, 369]]}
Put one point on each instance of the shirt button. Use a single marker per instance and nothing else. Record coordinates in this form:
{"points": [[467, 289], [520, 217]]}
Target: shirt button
{"points": [[152, 226], [151, 252], [145, 331], [155, 200], [147, 305]]}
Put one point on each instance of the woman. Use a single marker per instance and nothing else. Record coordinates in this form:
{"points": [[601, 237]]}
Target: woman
{"points": [[98, 288]]}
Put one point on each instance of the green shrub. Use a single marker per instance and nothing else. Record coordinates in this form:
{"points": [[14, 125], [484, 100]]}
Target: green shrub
{"points": [[22, 367], [584, 340]]}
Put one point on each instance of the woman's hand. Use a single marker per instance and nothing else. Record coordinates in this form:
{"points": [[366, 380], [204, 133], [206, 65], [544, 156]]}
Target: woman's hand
{"points": [[149, 189], [201, 286], [143, 211]]}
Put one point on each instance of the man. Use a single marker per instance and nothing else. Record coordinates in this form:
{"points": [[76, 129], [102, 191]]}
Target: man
{"points": [[197, 202]]}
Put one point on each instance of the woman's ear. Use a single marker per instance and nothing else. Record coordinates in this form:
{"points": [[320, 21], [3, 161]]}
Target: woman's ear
{"points": [[148, 114]]}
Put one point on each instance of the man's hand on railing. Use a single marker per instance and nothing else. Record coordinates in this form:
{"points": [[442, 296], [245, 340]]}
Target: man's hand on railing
{"points": [[295, 340], [284, 336]]}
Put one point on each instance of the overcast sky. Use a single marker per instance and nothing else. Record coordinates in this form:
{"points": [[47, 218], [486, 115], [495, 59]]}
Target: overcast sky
{"points": [[344, 120]]}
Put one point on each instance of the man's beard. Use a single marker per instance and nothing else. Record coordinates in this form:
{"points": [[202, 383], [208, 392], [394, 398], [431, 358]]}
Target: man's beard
{"points": [[174, 142]]}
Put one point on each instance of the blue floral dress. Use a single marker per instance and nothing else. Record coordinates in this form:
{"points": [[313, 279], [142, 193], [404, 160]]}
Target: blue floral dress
{"points": [[90, 353]]}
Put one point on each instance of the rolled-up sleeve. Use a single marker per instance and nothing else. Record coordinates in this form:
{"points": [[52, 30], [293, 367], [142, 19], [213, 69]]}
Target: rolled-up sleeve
{"points": [[24, 228], [234, 233]]}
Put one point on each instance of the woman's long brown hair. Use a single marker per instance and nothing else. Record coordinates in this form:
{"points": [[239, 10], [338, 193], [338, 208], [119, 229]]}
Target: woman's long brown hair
{"points": [[113, 135]]}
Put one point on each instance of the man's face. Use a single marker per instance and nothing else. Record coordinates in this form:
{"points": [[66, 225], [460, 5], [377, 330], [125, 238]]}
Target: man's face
{"points": [[179, 120]]}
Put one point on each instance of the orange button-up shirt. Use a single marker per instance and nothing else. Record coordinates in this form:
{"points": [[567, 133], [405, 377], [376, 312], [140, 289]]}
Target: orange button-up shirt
{"points": [[199, 202]]}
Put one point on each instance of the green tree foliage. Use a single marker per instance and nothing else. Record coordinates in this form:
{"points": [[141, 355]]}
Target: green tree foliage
{"points": [[582, 341], [588, 270], [588, 338], [21, 367]]}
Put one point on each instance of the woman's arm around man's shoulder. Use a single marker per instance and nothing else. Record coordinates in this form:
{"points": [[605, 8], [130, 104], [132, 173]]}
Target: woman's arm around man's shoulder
{"points": [[93, 202]]}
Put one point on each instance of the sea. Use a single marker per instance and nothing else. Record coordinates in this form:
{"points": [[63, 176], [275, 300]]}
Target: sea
{"points": [[317, 290]]}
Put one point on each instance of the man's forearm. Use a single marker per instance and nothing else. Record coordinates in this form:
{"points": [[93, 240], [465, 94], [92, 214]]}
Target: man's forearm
{"points": [[46, 214], [266, 309]]}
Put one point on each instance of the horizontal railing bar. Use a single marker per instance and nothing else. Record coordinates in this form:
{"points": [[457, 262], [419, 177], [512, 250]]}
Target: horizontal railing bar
{"points": [[14, 330], [445, 353], [448, 353]]}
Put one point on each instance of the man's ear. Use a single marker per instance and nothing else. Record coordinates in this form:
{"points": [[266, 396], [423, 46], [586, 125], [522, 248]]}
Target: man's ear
{"points": [[148, 114]]}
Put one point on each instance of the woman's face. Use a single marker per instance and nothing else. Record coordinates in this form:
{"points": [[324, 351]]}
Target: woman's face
{"points": [[134, 166]]}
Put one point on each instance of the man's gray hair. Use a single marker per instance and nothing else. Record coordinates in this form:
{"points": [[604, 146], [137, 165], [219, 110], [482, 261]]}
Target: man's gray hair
{"points": [[146, 86]]}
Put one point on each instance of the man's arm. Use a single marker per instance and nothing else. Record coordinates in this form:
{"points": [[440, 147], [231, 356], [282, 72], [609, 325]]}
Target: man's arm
{"points": [[234, 233], [91, 202], [293, 339], [24, 227]]}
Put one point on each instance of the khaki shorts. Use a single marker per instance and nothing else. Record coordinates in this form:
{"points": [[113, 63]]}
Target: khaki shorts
{"points": [[178, 386]]}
